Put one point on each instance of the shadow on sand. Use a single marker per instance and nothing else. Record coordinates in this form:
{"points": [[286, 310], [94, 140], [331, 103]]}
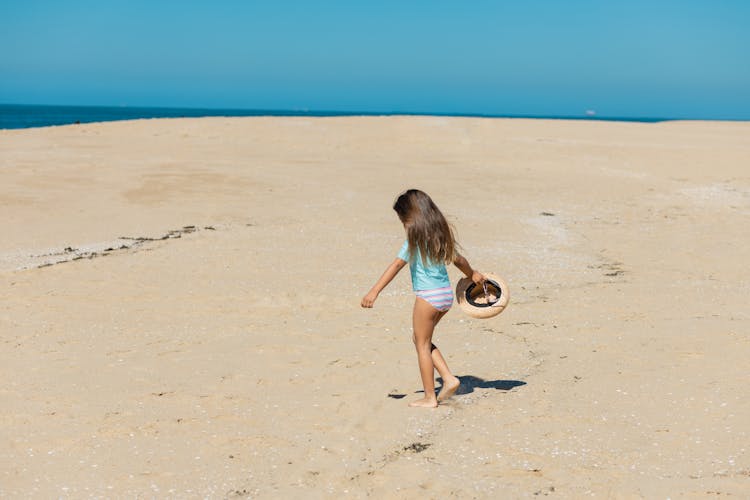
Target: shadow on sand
{"points": [[469, 383]]}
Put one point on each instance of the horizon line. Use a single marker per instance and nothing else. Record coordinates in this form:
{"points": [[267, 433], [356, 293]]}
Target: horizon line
{"points": [[588, 115]]}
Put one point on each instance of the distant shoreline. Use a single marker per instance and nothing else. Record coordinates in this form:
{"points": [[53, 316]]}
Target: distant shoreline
{"points": [[20, 116]]}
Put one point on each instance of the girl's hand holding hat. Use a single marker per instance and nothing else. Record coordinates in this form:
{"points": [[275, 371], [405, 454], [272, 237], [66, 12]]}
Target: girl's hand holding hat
{"points": [[478, 277]]}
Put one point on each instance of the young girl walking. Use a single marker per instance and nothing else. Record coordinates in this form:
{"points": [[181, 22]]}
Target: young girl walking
{"points": [[429, 246]]}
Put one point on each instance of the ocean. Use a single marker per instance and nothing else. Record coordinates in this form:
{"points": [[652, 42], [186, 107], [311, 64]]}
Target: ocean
{"points": [[15, 116]]}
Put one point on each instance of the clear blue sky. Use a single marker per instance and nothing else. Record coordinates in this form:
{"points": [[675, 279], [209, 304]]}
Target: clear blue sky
{"points": [[629, 58]]}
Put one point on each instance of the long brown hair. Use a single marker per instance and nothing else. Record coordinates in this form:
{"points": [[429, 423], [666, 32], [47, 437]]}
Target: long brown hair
{"points": [[426, 227]]}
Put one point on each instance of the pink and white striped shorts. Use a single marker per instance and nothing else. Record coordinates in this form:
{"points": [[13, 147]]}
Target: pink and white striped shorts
{"points": [[440, 298]]}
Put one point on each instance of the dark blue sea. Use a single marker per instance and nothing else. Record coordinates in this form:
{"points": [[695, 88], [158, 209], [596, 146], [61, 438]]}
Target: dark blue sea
{"points": [[29, 116]]}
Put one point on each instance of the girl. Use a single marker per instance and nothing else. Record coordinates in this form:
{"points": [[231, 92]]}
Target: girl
{"points": [[429, 245]]}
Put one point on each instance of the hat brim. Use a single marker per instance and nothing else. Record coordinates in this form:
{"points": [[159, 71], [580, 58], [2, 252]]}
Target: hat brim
{"points": [[482, 311]]}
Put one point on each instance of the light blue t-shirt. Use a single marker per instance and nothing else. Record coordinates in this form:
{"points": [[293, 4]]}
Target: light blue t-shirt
{"points": [[424, 277]]}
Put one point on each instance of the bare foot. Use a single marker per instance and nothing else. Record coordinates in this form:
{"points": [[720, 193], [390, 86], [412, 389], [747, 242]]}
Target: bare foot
{"points": [[425, 403], [449, 389]]}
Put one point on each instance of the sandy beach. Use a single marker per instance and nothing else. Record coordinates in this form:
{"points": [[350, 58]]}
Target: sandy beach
{"points": [[180, 316]]}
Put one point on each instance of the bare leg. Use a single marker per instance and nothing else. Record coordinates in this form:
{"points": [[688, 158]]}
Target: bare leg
{"points": [[450, 381], [424, 319]]}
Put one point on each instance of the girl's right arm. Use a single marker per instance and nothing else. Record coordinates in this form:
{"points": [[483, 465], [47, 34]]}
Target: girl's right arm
{"points": [[390, 273], [466, 268]]}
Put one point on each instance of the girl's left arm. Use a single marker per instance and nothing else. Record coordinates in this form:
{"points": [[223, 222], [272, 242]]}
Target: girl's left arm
{"points": [[390, 273]]}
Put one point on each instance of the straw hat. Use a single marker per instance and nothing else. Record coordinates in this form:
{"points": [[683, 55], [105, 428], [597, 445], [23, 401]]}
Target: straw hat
{"points": [[478, 304]]}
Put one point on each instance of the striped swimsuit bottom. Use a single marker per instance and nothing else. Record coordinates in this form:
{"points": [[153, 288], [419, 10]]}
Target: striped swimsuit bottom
{"points": [[440, 298]]}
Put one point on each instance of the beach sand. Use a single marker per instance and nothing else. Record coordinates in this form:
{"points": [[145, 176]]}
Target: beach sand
{"points": [[180, 315]]}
